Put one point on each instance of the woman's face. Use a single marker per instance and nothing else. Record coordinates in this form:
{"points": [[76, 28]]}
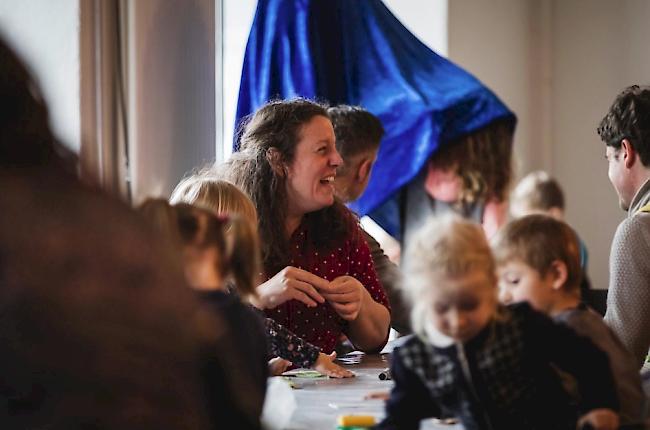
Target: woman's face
{"points": [[310, 177]]}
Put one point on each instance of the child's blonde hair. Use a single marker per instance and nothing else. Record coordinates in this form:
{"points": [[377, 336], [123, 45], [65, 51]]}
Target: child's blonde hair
{"points": [[536, 192], [234, 238], [209, 191], [445, 247], [538, 241]]}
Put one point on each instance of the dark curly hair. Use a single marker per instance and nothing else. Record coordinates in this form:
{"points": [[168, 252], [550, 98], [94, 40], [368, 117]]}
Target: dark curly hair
{"points": [[629, 118], [277, 125]]}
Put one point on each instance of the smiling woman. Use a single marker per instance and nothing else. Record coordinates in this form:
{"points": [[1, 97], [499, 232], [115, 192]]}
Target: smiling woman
{"points": [[320, 277], [310, 177]]}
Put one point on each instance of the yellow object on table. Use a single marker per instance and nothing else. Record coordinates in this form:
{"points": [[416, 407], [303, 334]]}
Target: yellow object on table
{"points": [[356, 420]]}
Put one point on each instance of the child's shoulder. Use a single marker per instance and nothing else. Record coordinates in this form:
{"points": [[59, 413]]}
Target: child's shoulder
{"points": [[582, 322], [519, 308], [407, 344], [519, 318], [582, 314], [414, 345], [515, 313], [421, 357], [585, 322], [234, 310]]}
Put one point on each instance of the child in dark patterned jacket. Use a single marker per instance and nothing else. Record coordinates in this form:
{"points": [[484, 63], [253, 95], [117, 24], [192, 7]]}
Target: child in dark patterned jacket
{"points": [[490, 366], [538, 261], [205, 189]]}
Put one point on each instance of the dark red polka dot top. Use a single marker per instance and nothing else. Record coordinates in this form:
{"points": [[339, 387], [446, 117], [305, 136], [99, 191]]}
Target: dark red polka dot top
{"points": [[321, 325]]}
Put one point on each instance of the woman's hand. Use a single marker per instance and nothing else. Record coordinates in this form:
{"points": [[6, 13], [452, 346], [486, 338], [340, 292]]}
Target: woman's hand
{"points": [[345, 294], [277, 366], [290, 283], [325, 365], [600, 419]]}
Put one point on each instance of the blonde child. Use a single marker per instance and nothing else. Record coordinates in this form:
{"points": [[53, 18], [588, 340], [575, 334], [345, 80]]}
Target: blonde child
{"points": [[224, 198], [538, 261], [539, 193], [487, 365], [198, 241]]}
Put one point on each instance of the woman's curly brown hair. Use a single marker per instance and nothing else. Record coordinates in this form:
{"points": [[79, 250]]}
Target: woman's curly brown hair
{"points": [[269, 140]]}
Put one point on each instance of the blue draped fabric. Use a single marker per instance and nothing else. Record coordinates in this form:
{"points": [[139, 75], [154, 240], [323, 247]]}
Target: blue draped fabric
{"points": [[356, 52]]}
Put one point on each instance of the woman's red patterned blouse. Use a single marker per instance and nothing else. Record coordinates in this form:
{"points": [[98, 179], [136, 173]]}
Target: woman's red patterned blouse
{"points": [[321, 325]]}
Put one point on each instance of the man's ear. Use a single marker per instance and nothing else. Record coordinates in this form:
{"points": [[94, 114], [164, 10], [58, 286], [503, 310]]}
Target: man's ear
{"points": [[364, 169], [559, 272], [628, 153], [274, 158]]}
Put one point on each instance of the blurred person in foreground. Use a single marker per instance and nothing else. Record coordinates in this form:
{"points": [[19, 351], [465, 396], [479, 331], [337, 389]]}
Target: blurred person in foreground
{"points": [[93, 330]]}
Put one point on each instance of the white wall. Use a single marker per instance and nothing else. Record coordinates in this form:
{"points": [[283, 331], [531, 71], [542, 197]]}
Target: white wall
{"points": [[172, 92], [559, 64], [426, 19], [237, 20], [599, 48], [496, 41], [46, 34]]}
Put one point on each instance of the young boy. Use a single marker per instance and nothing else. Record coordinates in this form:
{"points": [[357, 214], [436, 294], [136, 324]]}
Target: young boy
{"points": [[538, 261], [539, 193], [486, 364]]}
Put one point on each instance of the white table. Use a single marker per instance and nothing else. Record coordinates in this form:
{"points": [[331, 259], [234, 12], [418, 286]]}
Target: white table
{"points": [[321, 401]]}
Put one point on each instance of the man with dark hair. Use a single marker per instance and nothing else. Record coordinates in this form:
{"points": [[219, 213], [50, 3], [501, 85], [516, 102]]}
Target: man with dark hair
{"points": [[626, 132], [358, 134]]}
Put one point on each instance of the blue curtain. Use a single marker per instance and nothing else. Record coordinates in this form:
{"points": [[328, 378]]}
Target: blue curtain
{"points": [[356, 52]]}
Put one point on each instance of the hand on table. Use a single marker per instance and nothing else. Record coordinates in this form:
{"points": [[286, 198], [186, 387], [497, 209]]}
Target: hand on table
{"points": [[345, 294], [325, 365], [600, 419], [290, 283], [277, 366]]}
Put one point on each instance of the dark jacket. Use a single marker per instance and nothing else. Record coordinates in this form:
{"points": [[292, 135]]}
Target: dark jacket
{"points": [[501, 379], [245, 370]]}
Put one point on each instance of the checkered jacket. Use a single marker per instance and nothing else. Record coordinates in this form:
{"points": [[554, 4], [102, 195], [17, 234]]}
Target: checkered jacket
{"points": [[501, 379]]}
